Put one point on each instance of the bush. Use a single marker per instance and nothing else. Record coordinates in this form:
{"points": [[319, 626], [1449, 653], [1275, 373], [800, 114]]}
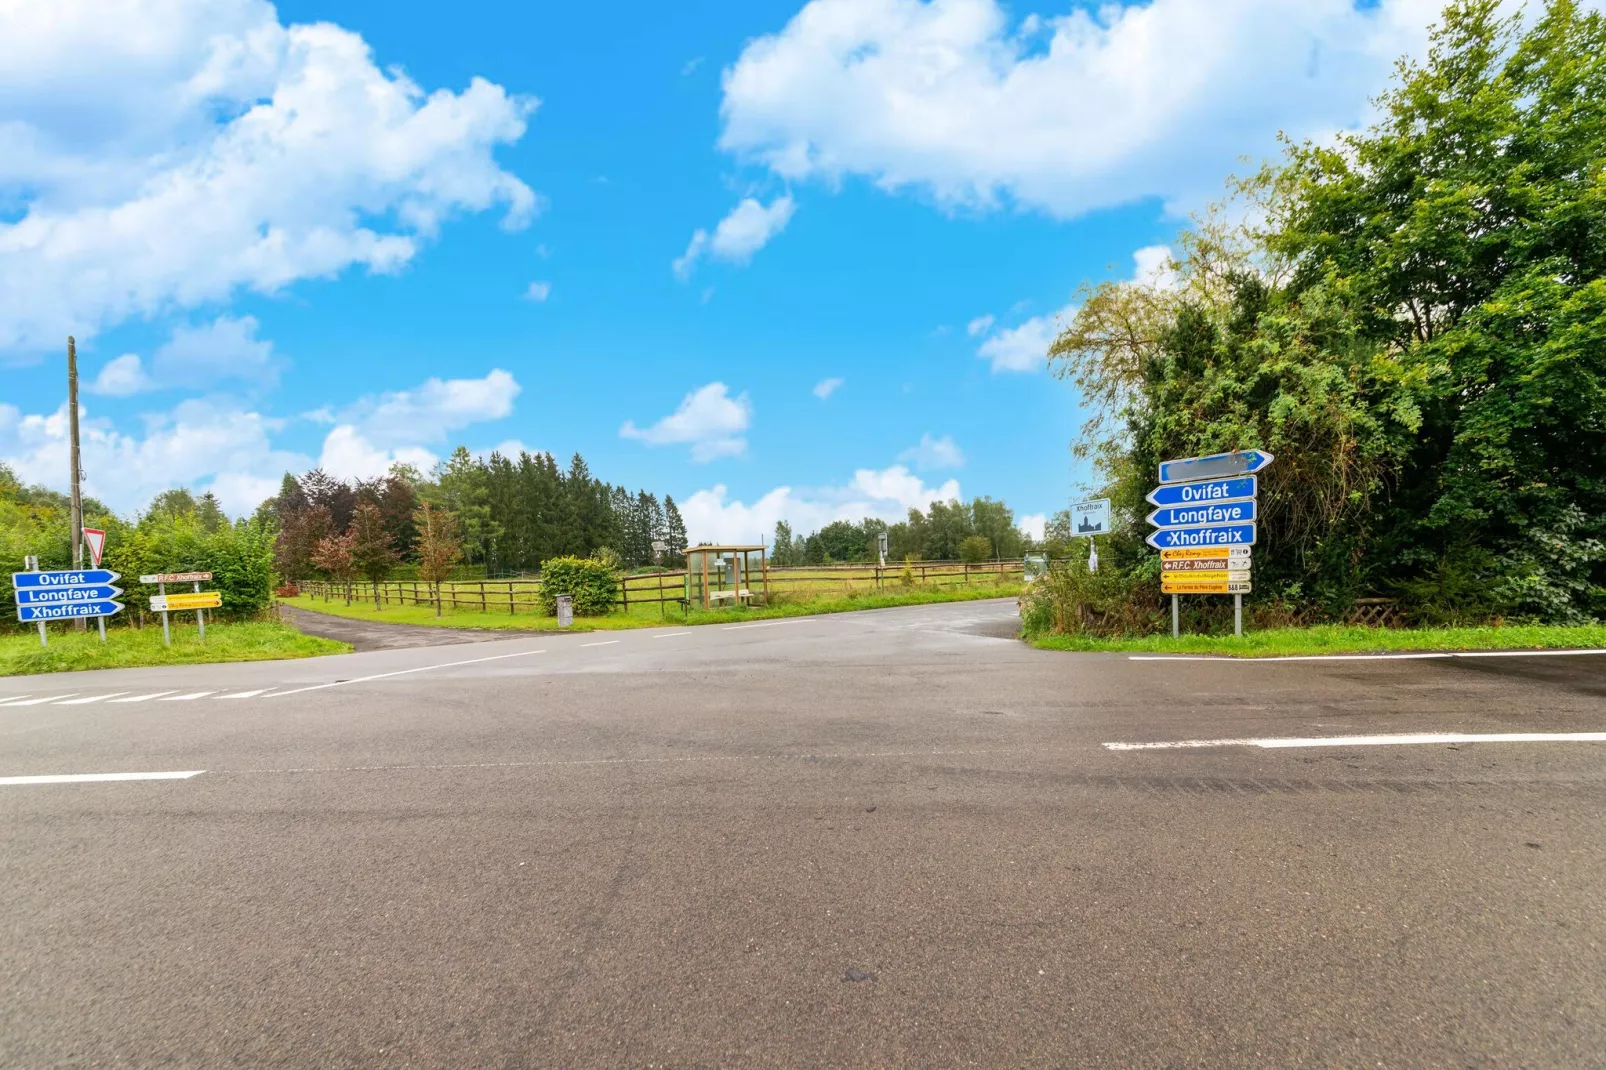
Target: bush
{"points": [[592, 584], [1070, 600], [239, 556], [975, 549]]}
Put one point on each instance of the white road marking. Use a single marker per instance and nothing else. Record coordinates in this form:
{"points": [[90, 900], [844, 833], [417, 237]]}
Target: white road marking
{"points": [[14, 698], [143, 698], [766, 624], [189, 697], [95, 778], [247, 694], [40, 701], [608, 642], [88, 700], [1368, 657], [399, 672], [1406, 739], [670, 635], [846, 755]]}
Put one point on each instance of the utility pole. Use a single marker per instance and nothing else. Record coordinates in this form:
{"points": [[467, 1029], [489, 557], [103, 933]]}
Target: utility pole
{"points": [[77, 472]]}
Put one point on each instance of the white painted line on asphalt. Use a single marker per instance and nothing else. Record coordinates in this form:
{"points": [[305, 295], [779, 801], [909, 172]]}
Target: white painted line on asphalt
{"points": [[398, 672], [95, 778], [767, 624], [247, 694], [192, 696], [143, 698], [670, 635], [1407, 739], [1368, 657], [560, 762], [87, 701], [14, 698], [608, 642], [41, 701]]}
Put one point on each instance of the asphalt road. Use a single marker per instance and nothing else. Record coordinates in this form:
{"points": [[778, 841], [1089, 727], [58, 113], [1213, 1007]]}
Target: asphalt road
{"points": [[888, 838]]}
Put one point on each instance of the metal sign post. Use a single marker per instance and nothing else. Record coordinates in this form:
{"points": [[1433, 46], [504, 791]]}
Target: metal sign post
{"points": [[164, 603], [1206, 524], [167, 634], [65, 594]]}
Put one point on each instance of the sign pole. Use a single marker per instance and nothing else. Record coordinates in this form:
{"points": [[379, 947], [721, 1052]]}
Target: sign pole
{"points": [[43, 640], [1238, 615], [1175, 619], [200, 616], [77, 472], [167, 636], [102, 622]]}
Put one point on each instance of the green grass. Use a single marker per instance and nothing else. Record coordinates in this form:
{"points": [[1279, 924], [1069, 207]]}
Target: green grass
{"points": [[649, 616], [1344, 639], [125, 648]]}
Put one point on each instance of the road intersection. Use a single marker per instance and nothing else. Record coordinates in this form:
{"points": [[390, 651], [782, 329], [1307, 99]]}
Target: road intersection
{"points": [[877, 838]]}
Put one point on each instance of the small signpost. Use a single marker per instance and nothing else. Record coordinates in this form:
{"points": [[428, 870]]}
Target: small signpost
{"points": [[198, 600], [1205, 521], [66, 594], [881, 548], [1088, 519]]}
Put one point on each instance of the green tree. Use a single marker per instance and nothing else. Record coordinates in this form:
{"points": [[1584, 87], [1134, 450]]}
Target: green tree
{"points": [[975, 549], [371, 548], [439, 547]]}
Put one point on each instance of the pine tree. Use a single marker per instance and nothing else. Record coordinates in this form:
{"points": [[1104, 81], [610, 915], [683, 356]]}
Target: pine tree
{"points": [[674, 534]]}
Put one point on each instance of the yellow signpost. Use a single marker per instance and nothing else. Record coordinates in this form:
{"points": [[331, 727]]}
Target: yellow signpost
{"points": [[1205, 553], [177, 603], [1205, 584]]}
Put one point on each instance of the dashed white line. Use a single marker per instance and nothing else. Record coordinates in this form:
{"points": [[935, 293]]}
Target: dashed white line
{"points": [[143, 698], [95, 778], [399, 672], [41, 701], [191, 697], [14, 698], [1404, 739], [1422, 656], [609, 642], [670, 635], [247, 694], [86, 701], [766, 624]]}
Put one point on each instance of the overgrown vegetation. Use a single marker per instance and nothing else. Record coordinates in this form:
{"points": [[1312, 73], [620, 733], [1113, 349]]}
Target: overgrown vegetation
{"points": [[1413, 320], [593, 585], [1343, 639]]}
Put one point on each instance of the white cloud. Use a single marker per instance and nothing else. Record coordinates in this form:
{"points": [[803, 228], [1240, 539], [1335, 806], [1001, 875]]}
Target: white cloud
{"points": [[538, 292], [746, 230], [826, 387], [932, 453], [196, 357], [1033, 525], [887, 493], [376, 432], [708, 419], [121, 377], [205, 444], [1024, 347], [979, 326], [165, 154], [347, 454], [1100, 106]]}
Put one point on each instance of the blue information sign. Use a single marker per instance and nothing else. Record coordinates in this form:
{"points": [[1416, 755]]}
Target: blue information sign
{"points": [[1183, 538], [1210, 490], [1237, 463], [55, 596], [68, 611], [1197, 516], [79, 577]]}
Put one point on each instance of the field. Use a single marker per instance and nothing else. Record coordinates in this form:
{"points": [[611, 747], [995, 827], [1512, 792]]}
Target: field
{"points": [[527, 615], [125, 648]]}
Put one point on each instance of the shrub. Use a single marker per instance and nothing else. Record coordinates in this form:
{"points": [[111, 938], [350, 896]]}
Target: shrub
{"points": [[1070, 600], [591, 583], [975, 549]]}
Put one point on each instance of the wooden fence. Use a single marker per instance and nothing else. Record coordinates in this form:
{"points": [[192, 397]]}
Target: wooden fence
{"points": [[666, 588]]}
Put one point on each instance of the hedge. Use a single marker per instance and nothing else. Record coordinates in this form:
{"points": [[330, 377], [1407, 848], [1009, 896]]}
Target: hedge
{"points": [[592, 584]]}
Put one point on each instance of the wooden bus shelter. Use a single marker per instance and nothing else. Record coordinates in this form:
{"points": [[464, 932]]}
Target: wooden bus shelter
{"points": [[726, 575]]}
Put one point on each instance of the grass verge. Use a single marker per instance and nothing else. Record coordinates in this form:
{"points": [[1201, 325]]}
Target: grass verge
{"points": [[1343, 639], [649, 617], [126, 648]]}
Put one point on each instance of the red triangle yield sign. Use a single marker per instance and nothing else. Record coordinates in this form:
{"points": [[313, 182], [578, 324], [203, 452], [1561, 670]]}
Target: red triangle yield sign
{"points": [[96, 539]]}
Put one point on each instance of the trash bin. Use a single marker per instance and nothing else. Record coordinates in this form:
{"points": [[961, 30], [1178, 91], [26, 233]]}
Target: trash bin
{"points": [[565, 610]]}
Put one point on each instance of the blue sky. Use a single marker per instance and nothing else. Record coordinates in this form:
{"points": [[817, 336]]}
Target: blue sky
{"points": [[358, 232]]}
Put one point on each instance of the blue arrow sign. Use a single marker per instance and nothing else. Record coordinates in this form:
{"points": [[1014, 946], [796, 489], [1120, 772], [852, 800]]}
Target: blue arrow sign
{"points": [[68, 611], [64, 578], [1210, 490], [55, 596], [1197, 516], [1237, 463], [1223, 535]]}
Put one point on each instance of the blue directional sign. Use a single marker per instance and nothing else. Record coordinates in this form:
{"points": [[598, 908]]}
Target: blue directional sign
{"points": [[1198, 516], [79, 577], [1210, 490], [68, 611], [1237, 463], [55, 596], [1221, 535]]}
